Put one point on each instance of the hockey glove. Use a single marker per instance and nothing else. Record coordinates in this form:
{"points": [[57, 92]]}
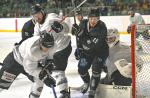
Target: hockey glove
{"points": [[129, 29], [57, 27], [75, 29], [104, 68], [46, 78], [78, 53]]}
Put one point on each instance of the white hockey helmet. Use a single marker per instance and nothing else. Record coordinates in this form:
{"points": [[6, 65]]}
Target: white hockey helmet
{"points": [[112, 37]]}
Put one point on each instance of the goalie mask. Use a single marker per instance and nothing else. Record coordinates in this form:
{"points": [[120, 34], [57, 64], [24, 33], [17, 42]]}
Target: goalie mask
{"points": [[124, 67], [112, 37]]}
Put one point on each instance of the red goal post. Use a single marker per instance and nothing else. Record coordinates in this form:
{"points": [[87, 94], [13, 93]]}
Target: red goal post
{"points": [[141, 29]]}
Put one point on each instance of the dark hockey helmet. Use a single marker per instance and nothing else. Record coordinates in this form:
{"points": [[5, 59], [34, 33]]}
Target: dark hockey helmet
{"points": [[94, 13], [35, 9], [47, 40]]}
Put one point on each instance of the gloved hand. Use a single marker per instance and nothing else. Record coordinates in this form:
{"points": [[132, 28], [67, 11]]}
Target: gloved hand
{"points": [[77, 54], [47, 67], [57, 27], [49, 81], [104, 68], [129, 29], [75, 29], [46, 78]]}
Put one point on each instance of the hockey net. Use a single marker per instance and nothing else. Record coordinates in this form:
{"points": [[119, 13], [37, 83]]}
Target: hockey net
{"points": [[140, 46]]}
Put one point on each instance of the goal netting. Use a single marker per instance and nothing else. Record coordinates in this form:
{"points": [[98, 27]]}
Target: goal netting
{"points": [[140, 46]]}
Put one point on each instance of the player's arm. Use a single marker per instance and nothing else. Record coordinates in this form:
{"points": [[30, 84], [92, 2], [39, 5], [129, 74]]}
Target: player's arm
{"points": [[31, 66]]}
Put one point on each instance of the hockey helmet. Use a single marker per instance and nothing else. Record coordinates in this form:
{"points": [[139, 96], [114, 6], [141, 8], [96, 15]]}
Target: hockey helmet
{"points": [[112, 37], [47, 40], [78, 12], [35, 9], [94, 13]]}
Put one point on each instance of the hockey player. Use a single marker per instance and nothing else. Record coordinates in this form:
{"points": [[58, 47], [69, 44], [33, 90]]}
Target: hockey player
{"points": [[61, 39], [118, 62], [27, 30], [135, 19], [78, 16], [25, 58], [92, 50]]}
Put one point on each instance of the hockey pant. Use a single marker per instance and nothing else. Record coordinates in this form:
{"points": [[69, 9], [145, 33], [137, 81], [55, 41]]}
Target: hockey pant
{"points": [[10, 70], [84, 65]]}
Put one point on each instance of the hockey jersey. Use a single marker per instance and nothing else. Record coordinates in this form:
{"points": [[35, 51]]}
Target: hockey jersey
{"points": [[62, 39], [29, 53], [119, 51]]}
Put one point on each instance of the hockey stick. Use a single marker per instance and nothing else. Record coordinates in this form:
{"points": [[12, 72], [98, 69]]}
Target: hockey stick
{"points": [[70, 13], [54, 92], [73, 4]]}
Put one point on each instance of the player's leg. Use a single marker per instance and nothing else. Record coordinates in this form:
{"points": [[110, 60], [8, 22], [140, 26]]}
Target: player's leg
{"points": [[97, 66], [83, 67], [36, 89], [9, 71], [29, 76], [60, 61]]}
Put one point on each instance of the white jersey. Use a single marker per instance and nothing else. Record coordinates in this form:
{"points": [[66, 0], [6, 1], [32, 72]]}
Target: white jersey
{"points": [[29, 53], [117, 52], [137, 19], [62, 39]]}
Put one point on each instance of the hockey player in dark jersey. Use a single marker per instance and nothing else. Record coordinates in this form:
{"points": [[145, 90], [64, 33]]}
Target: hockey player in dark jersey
{"points": [[92, 49], [27, 30]]}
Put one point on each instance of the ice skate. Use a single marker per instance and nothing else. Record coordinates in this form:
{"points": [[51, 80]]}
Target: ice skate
{"points": [[84, 87], [91, 94], [64, 94]]}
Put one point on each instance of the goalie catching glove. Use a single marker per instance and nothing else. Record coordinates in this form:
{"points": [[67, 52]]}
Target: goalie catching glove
{"points": [[44, 75]]}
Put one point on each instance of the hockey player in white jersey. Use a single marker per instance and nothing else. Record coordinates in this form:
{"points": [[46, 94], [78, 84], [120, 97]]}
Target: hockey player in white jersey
{"points": [[118, 62], [25, 58], [62, 40], [135, 19]]}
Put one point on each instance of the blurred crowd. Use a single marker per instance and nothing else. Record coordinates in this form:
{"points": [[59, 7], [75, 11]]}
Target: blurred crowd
{"points": [[21, 8]]}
